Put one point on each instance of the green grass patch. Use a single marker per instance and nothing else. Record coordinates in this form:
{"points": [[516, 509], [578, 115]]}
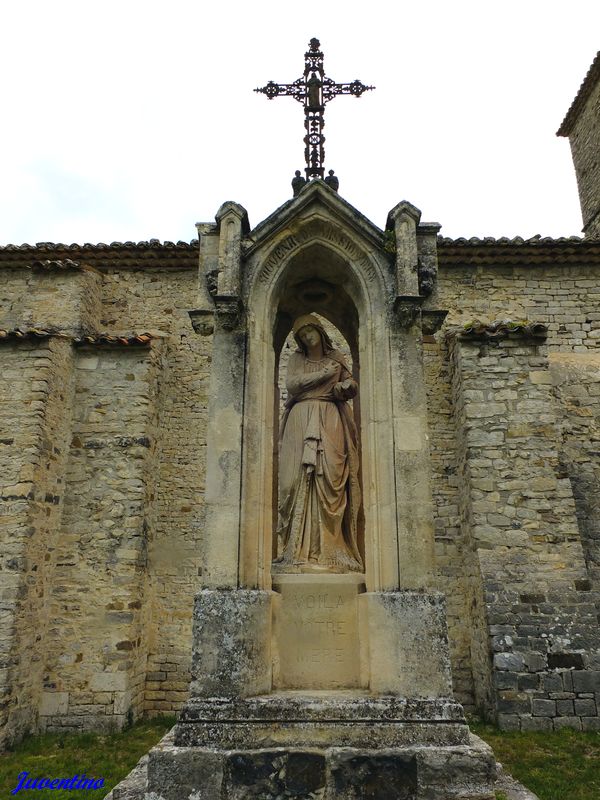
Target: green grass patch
{"points": [[564, 765], [558, 765], [55, 755]]}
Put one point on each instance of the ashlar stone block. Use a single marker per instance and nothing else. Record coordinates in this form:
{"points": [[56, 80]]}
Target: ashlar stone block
{"points": [[231, 654], [316, 631], [408, 643]]}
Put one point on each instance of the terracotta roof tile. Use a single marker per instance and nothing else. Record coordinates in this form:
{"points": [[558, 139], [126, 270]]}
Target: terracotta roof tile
{"points": [[500, 329], [17, 334], [184, 255], [533, 240], [30, 333], [132, 255], [141, 339], [518, 251], [50, 264]]}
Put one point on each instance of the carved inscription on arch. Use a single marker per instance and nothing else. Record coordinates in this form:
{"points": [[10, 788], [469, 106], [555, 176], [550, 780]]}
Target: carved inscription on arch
{"points": [[313, 232]]}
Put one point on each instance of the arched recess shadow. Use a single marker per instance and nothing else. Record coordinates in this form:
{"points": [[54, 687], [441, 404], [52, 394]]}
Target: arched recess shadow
{"points": [[316, 281]]}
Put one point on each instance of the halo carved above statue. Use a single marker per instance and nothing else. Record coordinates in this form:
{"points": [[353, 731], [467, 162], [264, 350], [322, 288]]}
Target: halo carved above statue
{"points": [[319, 491]]}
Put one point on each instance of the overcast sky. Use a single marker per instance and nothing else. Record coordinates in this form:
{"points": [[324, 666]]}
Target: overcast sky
{"points": [[131, 120]]}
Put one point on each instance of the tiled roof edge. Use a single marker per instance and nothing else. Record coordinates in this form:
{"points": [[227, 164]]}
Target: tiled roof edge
{"points": [[477, 241], [590, 80], [518, 251], [153, 244], [55, 263], [31, 334], [132, 254], [500, 329]]}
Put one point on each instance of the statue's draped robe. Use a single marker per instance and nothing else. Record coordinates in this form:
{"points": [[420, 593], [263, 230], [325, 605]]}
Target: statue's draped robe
{"points": [[319, 492]]}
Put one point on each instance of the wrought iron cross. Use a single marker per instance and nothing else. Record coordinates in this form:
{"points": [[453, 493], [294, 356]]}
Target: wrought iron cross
{"points": [[313, 90]]}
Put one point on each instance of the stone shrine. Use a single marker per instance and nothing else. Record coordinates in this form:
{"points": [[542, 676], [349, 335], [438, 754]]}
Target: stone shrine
{"points": [[321, 661], [424, 540]]}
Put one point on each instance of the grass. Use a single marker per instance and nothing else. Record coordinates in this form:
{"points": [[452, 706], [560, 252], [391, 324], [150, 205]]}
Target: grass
{"points": [[564, 765], [561, 765], [54, 755]]}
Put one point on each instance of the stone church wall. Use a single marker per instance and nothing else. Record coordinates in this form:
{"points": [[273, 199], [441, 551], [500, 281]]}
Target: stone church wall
{"points": [[97, 597], [138, 300], [565, 298], [584, 138], [577, 387], [95, 662], [35, 389], [102, 449]]}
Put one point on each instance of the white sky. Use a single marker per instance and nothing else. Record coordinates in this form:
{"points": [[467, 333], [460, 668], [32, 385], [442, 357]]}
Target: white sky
{"points": [[130, 119]]}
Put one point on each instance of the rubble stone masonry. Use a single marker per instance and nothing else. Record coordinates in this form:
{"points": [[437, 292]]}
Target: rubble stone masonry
{"points": [[517, 508], [102, 456]]}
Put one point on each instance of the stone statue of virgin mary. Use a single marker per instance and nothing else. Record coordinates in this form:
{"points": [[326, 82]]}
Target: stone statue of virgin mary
{"points": [[319, 492]]}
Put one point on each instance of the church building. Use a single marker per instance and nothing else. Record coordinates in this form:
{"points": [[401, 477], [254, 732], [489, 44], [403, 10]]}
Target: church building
{"points": [[141, 389]]}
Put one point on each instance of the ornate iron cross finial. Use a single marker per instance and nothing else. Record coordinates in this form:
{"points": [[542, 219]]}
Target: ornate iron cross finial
{"points": [[313, 90]]}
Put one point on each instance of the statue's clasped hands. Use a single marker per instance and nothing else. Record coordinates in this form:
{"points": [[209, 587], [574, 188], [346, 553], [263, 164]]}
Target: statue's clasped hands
{"points": [[343, 390]]}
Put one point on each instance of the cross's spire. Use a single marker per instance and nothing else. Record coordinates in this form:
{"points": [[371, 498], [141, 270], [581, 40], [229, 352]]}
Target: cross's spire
{"points": [[313, 90]]}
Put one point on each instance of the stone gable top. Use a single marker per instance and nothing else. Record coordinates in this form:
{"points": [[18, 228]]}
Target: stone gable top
{"points": [[314, 193], [585, 90]]}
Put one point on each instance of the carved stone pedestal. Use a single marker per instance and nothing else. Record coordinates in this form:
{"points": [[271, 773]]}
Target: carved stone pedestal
{"points": [[397, 734]]}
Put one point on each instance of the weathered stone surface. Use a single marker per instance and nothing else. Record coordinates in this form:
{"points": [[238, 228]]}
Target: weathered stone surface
{"points": [[408, 643], [586, 681], [134, 786], [272, 774], [179, 773], [358, 776], [104, 535], [522, 516], [294, 719], [460, 772], [413, 773], [316, 631], [543, 708], [582, 127], [231, 654], [512, 788]]}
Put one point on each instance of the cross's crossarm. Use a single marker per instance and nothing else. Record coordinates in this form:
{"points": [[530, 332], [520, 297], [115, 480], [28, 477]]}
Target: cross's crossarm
{"points": [[297, 90], [332, 89]]}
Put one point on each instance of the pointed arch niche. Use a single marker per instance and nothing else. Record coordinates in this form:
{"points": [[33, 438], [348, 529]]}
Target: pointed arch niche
{"points": [[325, 270]]}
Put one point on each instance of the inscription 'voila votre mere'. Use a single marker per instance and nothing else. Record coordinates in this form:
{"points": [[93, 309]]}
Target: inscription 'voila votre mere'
{"points": [[318, 601]]}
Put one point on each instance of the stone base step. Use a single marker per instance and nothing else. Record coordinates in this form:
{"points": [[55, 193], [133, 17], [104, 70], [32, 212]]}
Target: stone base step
{"points": [[464, 772]]}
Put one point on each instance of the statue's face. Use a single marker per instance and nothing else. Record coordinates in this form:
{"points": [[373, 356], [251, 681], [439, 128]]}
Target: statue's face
{"points": [[309, 336]]}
